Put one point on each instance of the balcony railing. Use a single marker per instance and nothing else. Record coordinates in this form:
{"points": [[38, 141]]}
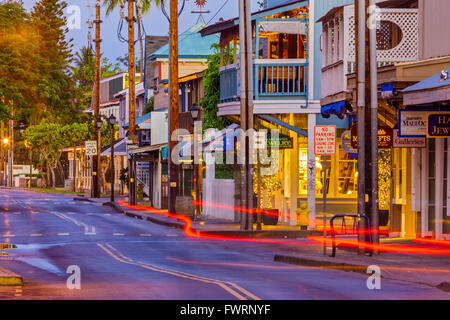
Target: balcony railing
{"points": [[280, 78], [228, 83], [273, 79]]}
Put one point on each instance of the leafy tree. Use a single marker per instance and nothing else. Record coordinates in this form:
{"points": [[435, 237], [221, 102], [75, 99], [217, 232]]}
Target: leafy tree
{"points": [[55, 86], [84, 73], [19, 57], [149, 105], [145, 6], [211, 80]]}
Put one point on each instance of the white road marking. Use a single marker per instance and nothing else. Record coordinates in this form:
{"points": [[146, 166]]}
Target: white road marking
{"points": [[171, 235], [63, 234], [89, 233], [36, 234], [9, 235], [145, 234], [107, 214], [118, 234]]}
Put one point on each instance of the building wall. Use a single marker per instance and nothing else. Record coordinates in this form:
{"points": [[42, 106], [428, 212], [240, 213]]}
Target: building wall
{"points": [[433, 19], [321, 7]]}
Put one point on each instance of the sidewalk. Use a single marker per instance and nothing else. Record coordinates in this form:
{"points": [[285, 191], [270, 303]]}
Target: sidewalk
{"points": [[420, 268], [205, 225]]}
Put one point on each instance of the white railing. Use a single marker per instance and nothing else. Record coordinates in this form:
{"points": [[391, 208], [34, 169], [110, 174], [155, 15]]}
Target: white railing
{"points": [[407, 20]]}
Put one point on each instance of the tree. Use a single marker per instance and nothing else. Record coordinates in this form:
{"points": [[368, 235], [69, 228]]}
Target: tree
{"points": [[84, 72], [19, 57], [140, 10], [211, 80], [55, 86]]}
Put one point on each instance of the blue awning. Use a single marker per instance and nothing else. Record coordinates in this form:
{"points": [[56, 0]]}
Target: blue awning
{"points": [[336, 108]]}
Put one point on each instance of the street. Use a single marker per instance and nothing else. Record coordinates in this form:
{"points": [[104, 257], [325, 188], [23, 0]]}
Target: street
{"points": [[124, 258]]}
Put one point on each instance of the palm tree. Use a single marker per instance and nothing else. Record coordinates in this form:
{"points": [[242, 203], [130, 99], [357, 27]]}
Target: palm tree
{"points": [[145, 6]]}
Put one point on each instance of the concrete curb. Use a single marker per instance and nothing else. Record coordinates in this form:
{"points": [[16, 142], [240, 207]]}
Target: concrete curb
{"points": [[115, 206], [359, 268], [9, 278], [83, 199]]}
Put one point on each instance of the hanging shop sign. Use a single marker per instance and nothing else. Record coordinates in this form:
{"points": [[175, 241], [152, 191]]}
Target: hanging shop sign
{"points": [[412, 123], [325, 140], [399, 142], [346, 139], [384, 137], [438, 125], [280, 142]]}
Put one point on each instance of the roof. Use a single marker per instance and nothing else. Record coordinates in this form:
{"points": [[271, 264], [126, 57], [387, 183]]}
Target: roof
{"points": [[144, 118], [191, 44], [227, 24], [432, 82], [120, 148], [381, 4]]}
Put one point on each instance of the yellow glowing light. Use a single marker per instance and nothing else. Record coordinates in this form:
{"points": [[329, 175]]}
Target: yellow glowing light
{"points": [[5, 141]]}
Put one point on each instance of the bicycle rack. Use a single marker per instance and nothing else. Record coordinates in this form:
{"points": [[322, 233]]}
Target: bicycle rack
{"points": [[356, 220]]}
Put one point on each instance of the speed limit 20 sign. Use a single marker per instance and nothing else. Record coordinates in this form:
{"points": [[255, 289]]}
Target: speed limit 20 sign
{"points": [[91, 148]]}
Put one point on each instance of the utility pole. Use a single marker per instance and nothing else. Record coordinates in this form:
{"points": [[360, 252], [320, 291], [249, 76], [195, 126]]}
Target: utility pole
{"points": [[246, 64], [367, 93], [361, 104], [374, 125], [96, 159], [132, 102], [173, 103]]}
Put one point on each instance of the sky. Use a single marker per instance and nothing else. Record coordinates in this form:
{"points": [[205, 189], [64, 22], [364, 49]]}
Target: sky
{"points": [[155, 23]]}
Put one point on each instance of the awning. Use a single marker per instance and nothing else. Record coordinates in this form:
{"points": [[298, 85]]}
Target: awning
{"points": [[435, 89], [284, 124], [148, 148], [283, 26], [120, 148], [336, 108]]}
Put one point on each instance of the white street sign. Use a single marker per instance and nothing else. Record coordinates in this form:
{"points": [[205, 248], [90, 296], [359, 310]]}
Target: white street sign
{"points": [[325, 140], [91, 148]]}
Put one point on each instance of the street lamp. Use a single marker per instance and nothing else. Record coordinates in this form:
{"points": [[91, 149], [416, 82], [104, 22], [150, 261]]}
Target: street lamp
{"points": [[112, 122], [194, 110], [6, 143], [96, 161]]}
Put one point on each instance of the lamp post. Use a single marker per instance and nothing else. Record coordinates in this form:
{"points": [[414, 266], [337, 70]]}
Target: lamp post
{"points": [[96, 161], [112, 122], [194, 114], [6, 143]]}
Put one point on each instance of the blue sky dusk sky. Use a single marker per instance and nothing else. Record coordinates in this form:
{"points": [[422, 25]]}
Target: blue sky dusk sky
{"points": [[155, 22]]}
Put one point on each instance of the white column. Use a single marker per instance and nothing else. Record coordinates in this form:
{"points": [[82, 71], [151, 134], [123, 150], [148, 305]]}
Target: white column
{"points": [[424, 193], [311, 200], [438, 216], [293, 177]]}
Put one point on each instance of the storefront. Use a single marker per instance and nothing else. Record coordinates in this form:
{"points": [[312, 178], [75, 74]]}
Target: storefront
{"points": [[428, 115]]}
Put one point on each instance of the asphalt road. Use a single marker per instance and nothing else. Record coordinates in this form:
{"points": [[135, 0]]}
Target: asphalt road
{"points": [[124, 258]]}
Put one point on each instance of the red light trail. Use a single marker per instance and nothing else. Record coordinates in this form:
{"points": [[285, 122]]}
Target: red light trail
{"points": [[405, 249]]}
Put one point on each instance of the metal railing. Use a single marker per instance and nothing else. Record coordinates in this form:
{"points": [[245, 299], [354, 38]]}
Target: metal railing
{"points": [[280, 78], [228, 83], [356, 229]]}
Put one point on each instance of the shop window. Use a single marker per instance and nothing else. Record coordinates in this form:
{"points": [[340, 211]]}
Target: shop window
{"points": [[347, 174]]}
